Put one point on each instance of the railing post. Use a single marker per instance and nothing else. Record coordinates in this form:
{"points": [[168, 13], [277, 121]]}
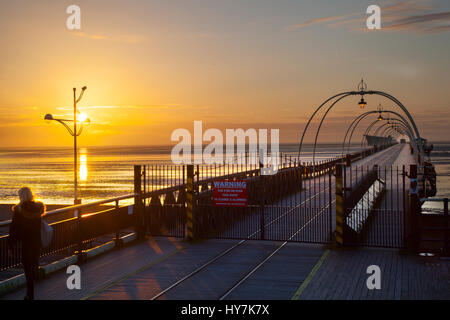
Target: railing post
{"points": [[261, 195], [339, 205], [414, 234], [348, 160], [117, 240], [190, 202], [138, 207], [80, 253]]}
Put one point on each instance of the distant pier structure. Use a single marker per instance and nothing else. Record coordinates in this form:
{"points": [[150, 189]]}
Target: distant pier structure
{"points": [[378, 140]]}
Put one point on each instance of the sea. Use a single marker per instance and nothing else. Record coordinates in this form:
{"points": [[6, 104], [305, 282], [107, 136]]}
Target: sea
{"points": [[106, 172]]}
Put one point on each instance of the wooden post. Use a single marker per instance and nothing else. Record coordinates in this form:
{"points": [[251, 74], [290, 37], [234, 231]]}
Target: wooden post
{"points": [[138, 207], [339, 205], [190, 203]]}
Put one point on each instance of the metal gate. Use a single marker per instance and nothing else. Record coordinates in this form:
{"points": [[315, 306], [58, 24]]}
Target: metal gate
{"points": [[294, 204], [375, 206]]}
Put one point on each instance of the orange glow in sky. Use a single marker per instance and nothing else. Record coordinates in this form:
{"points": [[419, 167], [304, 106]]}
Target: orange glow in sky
{"points": [[152, 67]]}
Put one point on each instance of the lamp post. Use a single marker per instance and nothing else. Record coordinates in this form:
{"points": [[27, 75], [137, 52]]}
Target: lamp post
{"points": [[75, 133]]}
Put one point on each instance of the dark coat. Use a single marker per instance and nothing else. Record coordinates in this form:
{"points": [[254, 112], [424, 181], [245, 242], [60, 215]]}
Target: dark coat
{"points": [[26, 225]]}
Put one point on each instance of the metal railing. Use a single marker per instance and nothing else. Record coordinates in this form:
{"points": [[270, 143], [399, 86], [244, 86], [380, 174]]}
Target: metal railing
{"points": [[76, 234], [376, 206], [167, 190]]}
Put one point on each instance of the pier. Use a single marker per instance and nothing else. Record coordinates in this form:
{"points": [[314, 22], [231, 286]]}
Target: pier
{"points": [[280, 246], [247, 229]]}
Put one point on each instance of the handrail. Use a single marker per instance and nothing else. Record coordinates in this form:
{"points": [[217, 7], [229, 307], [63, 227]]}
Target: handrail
{"points": [[160, 191], [79, 206]]}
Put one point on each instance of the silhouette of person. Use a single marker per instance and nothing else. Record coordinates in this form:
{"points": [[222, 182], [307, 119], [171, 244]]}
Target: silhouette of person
{"points": [[26, 229]]}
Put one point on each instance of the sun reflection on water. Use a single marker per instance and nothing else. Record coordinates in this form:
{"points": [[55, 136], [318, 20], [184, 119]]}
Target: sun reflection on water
{"points": [[83, 165]]}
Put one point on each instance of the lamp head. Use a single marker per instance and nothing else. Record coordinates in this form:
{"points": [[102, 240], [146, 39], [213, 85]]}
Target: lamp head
{"points": [[362, 103], [84, 88], [380, 118], [48, 116]]}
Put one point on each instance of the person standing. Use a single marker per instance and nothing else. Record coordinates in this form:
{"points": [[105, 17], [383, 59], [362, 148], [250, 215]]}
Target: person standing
{"points": [[26, 229]]}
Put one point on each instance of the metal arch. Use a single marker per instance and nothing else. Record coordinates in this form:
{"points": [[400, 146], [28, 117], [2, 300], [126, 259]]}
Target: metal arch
{"points": [[387, 111], [362, 93], [314, 114], [363, 115], [395, 121], [406, 132], [359, 119], [399, 131], [368, 130], [392, 98], [395, 125], [320, 125]]}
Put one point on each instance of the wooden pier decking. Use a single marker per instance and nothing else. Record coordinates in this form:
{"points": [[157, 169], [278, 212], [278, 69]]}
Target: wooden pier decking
{"points": [[143, 270]]}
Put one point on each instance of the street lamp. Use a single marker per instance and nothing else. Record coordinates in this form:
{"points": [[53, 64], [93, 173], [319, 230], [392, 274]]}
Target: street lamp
{"points": [[83, 120], [380, 110], [362, 87]]}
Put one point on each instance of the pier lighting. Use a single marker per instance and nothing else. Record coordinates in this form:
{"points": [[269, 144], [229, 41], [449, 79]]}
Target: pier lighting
{"points": [[362, 103], [71, 126], [380, 109], [362, 87]]}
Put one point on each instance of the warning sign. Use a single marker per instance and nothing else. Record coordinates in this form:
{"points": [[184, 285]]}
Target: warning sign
{"points": [[230, 193]]}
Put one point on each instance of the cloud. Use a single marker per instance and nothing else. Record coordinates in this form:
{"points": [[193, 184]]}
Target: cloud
{"points": [[318, 21], [422, 23], [89, 36], [126, 38], [407, 16]]}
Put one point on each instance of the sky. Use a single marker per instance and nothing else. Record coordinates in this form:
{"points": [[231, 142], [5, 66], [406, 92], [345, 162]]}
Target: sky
{"points": [[155, 66]]}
